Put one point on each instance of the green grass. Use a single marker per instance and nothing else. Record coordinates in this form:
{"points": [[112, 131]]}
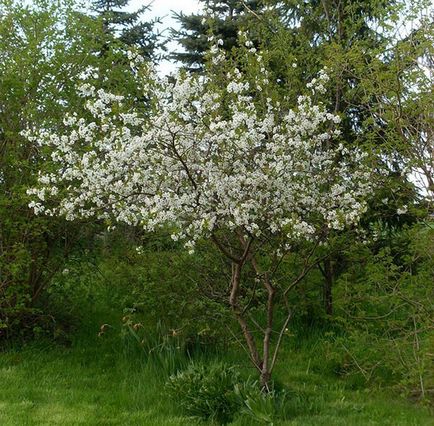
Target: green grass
{"points": [[94, 382], [82, 385], [108, 381]]}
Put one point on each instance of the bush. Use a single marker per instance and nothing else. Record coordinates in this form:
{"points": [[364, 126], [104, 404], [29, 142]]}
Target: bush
{"points": [[218, 393], [206, 392], [385, 305], [160, 283], [261, 407]]}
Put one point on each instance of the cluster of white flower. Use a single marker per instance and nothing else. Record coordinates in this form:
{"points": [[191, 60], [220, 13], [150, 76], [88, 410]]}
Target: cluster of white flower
{"points": [[402, 210], [202, 158], [317, 84]]}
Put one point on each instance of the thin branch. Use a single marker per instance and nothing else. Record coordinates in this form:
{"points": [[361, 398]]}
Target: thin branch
{"points": [[244, 348], [224, 250], [279, 340], [250, 10]]}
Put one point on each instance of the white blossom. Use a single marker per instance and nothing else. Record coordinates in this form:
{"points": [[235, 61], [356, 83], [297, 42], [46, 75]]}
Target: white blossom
{"points": [[202, 157], [402, 210]]}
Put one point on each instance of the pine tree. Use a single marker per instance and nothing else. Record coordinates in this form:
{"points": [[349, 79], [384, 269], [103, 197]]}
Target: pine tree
{"points": [[127, 27], [229, 16]]}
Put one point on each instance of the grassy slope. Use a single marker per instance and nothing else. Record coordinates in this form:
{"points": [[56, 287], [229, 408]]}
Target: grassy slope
{"points": [[96, 383]]}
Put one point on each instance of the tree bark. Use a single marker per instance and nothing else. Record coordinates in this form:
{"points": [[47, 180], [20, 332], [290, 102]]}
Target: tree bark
{"points": [[266, 370], [328, 274], [233, 302]]}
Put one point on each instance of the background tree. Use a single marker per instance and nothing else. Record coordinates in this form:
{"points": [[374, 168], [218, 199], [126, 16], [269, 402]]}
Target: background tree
{"points": [[403, 109], [127, 27], [38, 69], [348, 38], [224, 19], [46, 48]]}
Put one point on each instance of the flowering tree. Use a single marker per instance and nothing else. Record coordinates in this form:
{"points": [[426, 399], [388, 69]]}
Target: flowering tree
{"points": [[219, 156]]}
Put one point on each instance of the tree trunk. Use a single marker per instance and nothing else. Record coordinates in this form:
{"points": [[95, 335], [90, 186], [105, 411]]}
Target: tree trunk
{"points": [[265, 380], [265, 372], [233, 302], [328, 286], [264, 362]]}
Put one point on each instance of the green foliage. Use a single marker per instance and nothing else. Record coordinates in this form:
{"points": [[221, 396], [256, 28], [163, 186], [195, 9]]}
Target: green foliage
{"points": [[385, 300], [218, 392], [127, 27], [262, 407], [184, 294], [103, 374], [45, 47], [36, 43], [229, 17], [205, 392]]}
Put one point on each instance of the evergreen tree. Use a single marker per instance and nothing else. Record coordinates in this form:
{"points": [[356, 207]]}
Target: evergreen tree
{"points": [[228, 17], [127, 27], [338, 34]]}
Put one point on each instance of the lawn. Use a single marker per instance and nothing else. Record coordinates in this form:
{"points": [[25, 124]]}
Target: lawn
{"points": [[95, 381]]}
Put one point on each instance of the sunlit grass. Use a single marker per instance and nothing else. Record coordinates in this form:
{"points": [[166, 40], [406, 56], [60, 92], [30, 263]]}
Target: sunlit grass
{"points": [[96, 381]]}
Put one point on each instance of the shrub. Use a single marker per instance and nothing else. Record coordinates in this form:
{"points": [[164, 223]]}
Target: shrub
{"points": [[385, 305], [159, 283], [261, 407], [206, 392], [218, 393]]}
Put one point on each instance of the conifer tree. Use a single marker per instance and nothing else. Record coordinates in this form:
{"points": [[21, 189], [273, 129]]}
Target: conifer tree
{"points": [[228, 17], [127, 27]]}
